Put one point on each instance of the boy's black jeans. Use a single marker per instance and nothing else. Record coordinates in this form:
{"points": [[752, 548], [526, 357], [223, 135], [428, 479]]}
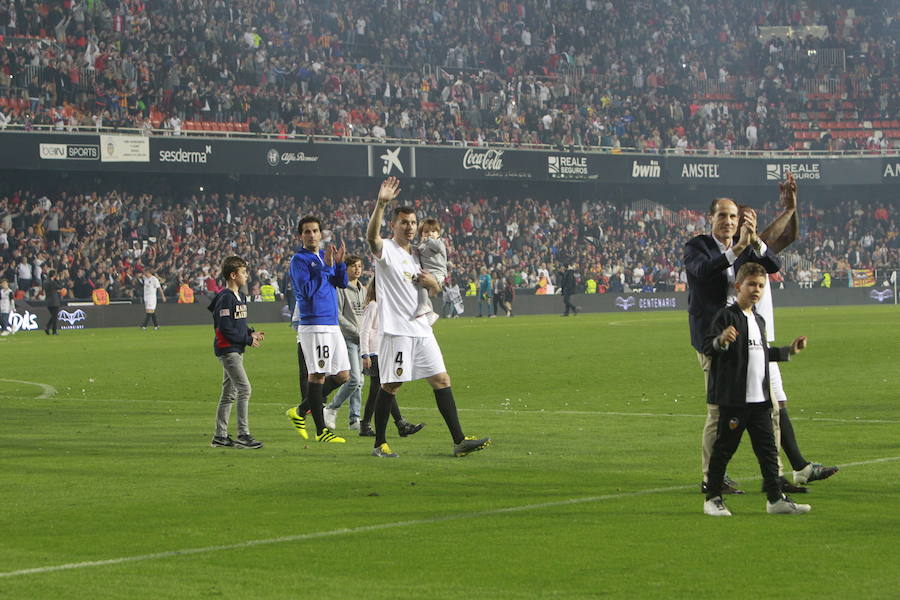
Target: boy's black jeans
{"points": [[756, 418]]}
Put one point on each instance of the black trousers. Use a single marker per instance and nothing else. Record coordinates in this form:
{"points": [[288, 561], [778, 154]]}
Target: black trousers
{"points": [[567, 299], [756, 418], [52, 322], [304, 374]]}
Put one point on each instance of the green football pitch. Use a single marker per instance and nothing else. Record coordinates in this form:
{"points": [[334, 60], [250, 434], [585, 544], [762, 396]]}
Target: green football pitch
{"points": [[110, 488]]}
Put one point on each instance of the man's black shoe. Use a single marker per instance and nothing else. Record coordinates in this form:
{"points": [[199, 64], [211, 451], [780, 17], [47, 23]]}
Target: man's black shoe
{"points": [[789, 488], [405, 428], [728, 487]]}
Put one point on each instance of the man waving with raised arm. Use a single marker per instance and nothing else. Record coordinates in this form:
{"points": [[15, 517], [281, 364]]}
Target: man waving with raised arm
{"points": [[408, 350]]}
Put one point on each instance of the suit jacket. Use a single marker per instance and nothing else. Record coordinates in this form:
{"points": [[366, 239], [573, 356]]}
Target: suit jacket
{"points": [[707, 282], [728, 372]]}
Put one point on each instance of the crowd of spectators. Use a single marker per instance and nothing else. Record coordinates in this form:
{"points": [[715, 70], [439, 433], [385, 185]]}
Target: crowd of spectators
{"points": [[612, 73], [106, 239]]}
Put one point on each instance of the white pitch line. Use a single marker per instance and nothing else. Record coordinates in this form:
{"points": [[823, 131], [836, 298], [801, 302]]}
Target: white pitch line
{"points": [[367, 528], [587, 413], [46, 390]]}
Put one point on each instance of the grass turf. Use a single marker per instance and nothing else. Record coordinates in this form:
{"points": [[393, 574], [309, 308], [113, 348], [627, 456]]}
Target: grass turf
{"points": [[590, 488]]}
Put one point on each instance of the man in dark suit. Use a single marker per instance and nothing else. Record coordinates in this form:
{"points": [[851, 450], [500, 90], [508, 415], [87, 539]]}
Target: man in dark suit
{"points": [[711, 262]]}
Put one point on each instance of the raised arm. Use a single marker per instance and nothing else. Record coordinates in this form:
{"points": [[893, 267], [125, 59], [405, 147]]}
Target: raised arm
{"points": [[390, 189], [784, 229]]}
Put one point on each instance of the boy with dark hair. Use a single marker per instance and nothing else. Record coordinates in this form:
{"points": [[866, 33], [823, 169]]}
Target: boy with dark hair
{"points": [[351, 301], [229, 310], [739, 386]]}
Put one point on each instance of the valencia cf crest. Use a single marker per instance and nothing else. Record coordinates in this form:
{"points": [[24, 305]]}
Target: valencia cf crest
{"points": [[321, 363], [399, 371], [733, 423]]}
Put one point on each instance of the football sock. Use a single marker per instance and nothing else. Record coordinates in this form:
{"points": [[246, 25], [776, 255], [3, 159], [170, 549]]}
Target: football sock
{"points": [[383, 403], [146, 320], [153, 317], [369, 410], [395, 411], [304, 377], [789, 442], [314, 399], [447, 405], [331, 383]]}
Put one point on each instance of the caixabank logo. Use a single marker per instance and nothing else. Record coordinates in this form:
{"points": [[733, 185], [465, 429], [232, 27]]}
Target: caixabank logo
{"points": [[802, 171]]}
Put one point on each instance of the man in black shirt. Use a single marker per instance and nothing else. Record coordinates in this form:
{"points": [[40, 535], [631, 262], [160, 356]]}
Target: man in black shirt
{"points": [[51, 293]]}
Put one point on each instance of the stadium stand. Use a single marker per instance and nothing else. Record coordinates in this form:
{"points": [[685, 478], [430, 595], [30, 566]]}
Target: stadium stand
{"points": [[704, 75]]}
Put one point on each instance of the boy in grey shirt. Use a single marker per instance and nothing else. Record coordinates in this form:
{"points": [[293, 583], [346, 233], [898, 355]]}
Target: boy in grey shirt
{"points": [[351, 302], [433, 258]]}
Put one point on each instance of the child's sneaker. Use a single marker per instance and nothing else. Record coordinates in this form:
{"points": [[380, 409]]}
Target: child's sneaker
{"points": [[246, 441], [221, 441]]}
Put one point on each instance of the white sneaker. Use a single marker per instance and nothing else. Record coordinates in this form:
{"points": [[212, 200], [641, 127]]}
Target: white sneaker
{"points": [[354, 426], [4, 334], [330, 415], [715, 507], [786, 506]]}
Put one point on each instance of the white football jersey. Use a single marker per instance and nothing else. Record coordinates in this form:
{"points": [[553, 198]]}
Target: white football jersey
{"points": [[397, 294], [151, 284]]}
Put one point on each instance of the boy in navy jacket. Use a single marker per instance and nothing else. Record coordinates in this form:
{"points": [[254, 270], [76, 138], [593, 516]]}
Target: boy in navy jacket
{"points": [[229, 310], [739, 386]]}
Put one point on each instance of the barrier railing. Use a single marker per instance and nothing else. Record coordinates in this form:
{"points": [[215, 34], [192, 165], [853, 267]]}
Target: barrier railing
{"points": [[363, 140]]}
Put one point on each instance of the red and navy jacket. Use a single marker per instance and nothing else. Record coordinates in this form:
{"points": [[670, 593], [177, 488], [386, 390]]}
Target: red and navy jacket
{"points": [[229, 312]]}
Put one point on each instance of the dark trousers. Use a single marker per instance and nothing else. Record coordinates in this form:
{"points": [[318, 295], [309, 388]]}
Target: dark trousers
{"points": [[304, 374], [567, 299], [756, 418], [52, 323]]}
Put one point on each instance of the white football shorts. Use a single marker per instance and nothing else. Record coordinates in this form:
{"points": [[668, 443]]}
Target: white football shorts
{"points": [[776, 387], [324, 349], [404, 358]]}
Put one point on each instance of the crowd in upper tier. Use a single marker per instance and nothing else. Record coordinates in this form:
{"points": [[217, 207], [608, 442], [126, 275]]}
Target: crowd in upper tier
{"points": [[692, 74]]}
